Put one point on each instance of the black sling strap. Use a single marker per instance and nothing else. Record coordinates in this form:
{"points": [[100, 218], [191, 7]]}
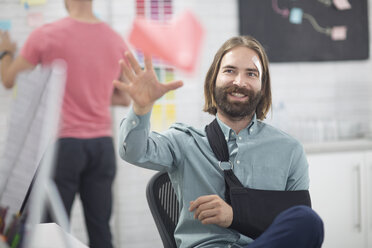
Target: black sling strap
{"points": [[218, 144], [253, 210]]}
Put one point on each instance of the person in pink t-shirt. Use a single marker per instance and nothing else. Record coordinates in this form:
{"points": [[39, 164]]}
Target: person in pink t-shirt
{"points": [[86, 158]]}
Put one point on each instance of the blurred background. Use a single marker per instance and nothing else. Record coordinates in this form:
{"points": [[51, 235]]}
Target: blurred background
{"points": [[322, 95]]}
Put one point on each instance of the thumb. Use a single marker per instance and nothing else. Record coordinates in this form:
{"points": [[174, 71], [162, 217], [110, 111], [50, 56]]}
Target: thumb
{"points": [[173, 85]]}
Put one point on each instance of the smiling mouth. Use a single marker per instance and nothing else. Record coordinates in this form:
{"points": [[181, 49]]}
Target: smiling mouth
{"points": [[237, 96]]}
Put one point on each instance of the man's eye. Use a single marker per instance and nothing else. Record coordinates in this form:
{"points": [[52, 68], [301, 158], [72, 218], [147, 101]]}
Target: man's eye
{"points": [[229, 71], [252, 74]]}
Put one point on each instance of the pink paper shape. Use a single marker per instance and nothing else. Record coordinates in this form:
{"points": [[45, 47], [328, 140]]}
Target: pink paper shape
{"points": [[35, 19], [177, 42], [339, 33], [342, 4]]}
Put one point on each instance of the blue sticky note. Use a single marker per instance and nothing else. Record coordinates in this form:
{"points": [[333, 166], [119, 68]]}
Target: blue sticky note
{"points": [[5, 25], [98, 15], [295, 16]]}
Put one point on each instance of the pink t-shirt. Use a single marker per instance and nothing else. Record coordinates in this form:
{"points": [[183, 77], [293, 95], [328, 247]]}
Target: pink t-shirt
{"points": [[92, 52]]}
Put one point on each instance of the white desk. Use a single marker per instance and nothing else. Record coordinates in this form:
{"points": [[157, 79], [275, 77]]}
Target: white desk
{"points": [[50, 235]]}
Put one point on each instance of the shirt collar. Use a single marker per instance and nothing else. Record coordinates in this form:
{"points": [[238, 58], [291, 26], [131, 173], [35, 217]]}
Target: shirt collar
{"points": [[230, 134]]}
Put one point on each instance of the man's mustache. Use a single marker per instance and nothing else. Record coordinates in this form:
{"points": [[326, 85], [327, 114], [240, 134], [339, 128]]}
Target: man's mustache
{"points": [[237, 89]]}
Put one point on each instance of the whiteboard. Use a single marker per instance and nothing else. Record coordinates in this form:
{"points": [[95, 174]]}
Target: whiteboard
{"points": [[33, 124]]}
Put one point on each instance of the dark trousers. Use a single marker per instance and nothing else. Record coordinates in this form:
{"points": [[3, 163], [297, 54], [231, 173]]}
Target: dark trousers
{"points": [[297, 227], [87, 167]]}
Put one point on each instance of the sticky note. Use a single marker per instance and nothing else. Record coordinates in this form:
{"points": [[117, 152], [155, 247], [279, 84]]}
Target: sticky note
{"points": [[33, 2], [15, 91], [295, 16], [170, 113], [158, 73], [342, 4], [169, 77], [5, 25], [176, 42], [339, 33], [171, 95], [35, 19], [157, 118]]}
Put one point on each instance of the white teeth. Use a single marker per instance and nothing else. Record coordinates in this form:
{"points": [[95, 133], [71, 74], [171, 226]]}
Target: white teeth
{"points": [[237, 94]]}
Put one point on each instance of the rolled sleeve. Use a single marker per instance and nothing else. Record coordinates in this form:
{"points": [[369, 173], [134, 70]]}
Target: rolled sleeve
{"points": [[134, 131], [139, 146]]}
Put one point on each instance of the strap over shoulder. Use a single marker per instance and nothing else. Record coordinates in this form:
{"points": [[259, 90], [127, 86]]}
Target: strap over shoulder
{"points": [[217, 141]]}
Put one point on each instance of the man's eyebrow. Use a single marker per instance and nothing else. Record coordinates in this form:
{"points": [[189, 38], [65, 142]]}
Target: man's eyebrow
{"points": [[229, 66], [253, 69]]}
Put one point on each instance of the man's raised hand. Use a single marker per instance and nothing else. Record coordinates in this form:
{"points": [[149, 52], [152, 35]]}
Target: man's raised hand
{"points": [[142, 84]]}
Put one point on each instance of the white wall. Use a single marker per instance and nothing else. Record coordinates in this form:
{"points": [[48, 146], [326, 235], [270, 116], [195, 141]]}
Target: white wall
{"points": [[310, 100]]}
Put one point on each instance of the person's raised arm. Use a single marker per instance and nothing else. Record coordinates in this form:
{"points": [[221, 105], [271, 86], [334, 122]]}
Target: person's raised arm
{"points": [[142, 85], [10, 67]]}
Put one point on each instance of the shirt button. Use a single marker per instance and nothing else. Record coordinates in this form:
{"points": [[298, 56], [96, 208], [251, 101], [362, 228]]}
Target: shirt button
{"points": [[133, 122], [229, 246], [227, 138], [125, 144], [240, 138], [232, 133], [238, 162], [251, 130]]}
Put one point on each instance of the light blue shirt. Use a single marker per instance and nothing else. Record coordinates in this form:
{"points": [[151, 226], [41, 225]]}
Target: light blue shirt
{"points": [[263, 158]]}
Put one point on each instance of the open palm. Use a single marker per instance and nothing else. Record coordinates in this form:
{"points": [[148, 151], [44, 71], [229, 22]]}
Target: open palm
{"points": [[142, 84]]}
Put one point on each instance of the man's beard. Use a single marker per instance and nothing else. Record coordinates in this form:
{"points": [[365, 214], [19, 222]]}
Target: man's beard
{"points": [[236, 109]]}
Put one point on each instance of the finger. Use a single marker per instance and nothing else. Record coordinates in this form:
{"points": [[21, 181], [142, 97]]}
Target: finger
{"points": [[200, 200], [133, 62], [123, 77], [148, 62], [126, 71], [173, 85], [121, 86], [207, 214], [210, 220], [206, 206]]}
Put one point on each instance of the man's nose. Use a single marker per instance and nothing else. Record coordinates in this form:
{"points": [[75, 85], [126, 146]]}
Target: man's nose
{"points": [[240, 80]]}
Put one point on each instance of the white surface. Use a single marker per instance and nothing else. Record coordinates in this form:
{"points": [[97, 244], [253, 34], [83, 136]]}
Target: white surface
{"points": [[50, 235], [33, 122], [341, 191], [368, 176], [339, 146]]}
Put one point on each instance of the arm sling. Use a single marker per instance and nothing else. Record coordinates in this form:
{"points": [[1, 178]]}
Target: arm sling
{"points": [[253, 209]]}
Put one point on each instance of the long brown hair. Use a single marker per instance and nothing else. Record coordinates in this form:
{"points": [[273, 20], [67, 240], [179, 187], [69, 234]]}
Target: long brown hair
{"points": [[264, 104]]}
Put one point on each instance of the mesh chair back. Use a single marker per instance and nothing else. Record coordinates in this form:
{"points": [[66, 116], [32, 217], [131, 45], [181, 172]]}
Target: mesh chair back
{"points": [[164, 207]]}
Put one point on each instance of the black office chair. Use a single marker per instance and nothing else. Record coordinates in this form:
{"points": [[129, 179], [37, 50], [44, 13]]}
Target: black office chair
{"points": [[164, 207]]}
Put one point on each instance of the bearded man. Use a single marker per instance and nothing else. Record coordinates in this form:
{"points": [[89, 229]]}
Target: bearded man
{"points": [[258, 156]]}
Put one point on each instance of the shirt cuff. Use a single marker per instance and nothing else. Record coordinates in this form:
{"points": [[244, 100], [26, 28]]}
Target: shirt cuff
{"points": [[140, 121]]}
